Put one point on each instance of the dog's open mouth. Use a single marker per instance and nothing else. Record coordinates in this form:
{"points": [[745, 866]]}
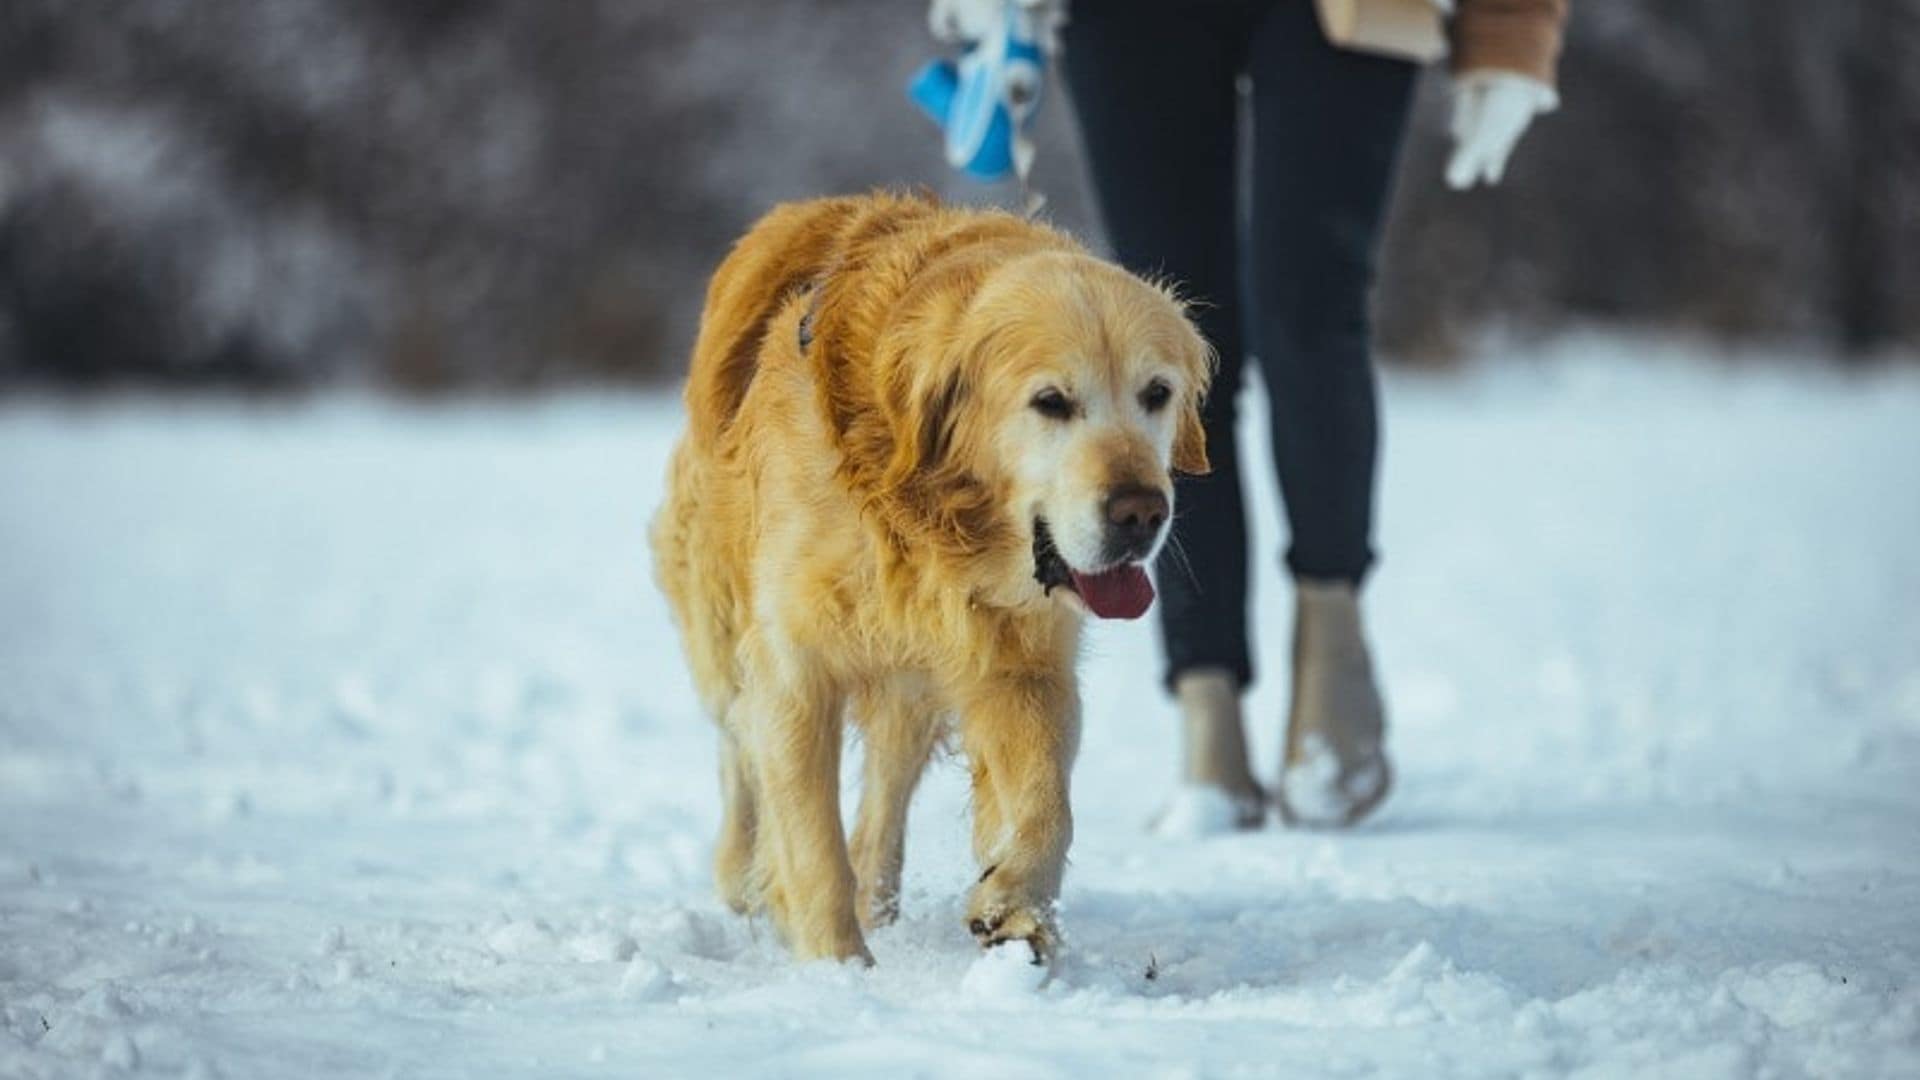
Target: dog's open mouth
{"points": [[1122, 591]]}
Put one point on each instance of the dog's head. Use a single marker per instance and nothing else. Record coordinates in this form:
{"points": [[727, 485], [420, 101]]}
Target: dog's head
{"points": [[1061, 398]]}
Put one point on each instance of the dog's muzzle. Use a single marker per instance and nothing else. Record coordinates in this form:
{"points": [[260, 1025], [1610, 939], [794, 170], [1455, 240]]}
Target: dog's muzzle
{"points": [[1121, 591]]}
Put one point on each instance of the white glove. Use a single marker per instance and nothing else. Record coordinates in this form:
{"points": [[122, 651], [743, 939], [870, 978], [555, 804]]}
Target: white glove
{"points": [[1491, 109], [957, 21]]}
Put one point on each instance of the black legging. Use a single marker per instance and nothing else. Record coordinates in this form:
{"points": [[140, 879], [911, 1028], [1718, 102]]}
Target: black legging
{"points": [[1154, 86]]}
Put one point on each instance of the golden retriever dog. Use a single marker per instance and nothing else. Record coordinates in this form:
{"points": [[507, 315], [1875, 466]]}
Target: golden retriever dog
{"points": [[923, 442]]}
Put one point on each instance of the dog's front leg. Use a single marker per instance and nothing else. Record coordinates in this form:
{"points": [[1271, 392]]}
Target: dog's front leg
{"points": [[1021, 735], [796, 756]]}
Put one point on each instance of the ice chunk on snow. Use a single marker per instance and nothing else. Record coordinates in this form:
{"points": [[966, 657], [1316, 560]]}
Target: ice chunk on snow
{"points": [[646, 979], [600, 946], [520, 939], [120, 1052], [1004, 971]]}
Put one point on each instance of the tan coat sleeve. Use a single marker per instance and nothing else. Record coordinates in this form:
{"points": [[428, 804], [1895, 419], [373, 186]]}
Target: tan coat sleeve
{"points": [[1509, 35]]}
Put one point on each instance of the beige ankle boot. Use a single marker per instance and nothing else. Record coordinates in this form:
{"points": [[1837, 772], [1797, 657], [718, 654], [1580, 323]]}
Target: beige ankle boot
{"points": [[1217, 792], [1335, 771]]}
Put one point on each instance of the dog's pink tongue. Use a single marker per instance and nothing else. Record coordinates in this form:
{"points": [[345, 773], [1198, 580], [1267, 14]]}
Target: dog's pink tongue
{"points": [[1120, 593]]}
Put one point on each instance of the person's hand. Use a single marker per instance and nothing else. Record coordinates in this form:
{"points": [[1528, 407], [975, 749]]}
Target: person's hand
{"points": [[956, 22], [1491, 110]]}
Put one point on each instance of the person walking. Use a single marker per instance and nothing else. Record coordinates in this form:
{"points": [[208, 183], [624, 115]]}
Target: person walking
{"points": [[1156, 88]]}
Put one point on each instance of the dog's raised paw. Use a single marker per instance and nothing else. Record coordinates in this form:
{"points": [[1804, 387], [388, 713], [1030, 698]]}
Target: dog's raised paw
{"points": [[1000, 926]]}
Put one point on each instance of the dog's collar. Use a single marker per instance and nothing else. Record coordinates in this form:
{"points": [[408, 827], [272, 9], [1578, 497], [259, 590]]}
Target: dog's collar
{"points": [[806, 320]]}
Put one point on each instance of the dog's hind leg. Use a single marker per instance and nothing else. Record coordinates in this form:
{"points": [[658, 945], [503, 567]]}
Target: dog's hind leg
{"points": [[899, 721], [793, 727], [737, 873]]}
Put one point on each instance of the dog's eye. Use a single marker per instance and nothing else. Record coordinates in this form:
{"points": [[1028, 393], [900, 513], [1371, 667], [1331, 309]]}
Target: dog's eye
{"points": [[1053, 404], [1155, 396]]}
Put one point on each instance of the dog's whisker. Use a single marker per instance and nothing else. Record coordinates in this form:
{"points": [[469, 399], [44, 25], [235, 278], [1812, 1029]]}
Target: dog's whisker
{"points": [[1179, 552]]}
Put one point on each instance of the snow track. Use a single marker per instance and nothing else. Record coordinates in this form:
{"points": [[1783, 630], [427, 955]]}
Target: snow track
{"points": [[346, 738]]}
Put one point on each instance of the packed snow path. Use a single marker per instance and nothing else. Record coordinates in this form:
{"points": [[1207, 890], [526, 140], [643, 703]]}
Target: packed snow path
{"points": [[350, 739]]}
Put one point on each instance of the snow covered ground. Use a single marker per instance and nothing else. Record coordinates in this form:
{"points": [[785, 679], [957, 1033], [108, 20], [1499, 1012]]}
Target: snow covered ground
{"points": [[351, 739]]}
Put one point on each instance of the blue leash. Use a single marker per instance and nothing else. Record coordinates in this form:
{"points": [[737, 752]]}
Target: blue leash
{"points": [[986, 99]]}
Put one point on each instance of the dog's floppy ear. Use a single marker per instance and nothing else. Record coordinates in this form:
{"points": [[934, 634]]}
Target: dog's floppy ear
{"points": [[1190, 441], [929, 480], [925, 414], [1190, 434], [1199, 362], [932, 414]]}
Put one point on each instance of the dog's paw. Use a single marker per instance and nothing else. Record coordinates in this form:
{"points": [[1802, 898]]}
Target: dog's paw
{"points": [[818, 932], [740, 883], [739, 897], [877, 905], [846, 946], [997, 924]]}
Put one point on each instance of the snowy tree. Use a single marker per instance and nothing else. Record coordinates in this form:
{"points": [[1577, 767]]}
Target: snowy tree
{"points": [[467, 192]]}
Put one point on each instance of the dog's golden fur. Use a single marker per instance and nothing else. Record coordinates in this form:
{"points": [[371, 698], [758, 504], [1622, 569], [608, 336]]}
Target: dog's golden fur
{"points": [[849, 531]]}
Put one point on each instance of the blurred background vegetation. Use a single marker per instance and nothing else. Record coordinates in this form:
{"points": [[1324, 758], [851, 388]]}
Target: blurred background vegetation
{"points": [[502, 193]]}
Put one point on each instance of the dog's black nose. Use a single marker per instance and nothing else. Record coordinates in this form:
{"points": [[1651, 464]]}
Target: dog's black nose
{"points": [[1134, 517]]}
